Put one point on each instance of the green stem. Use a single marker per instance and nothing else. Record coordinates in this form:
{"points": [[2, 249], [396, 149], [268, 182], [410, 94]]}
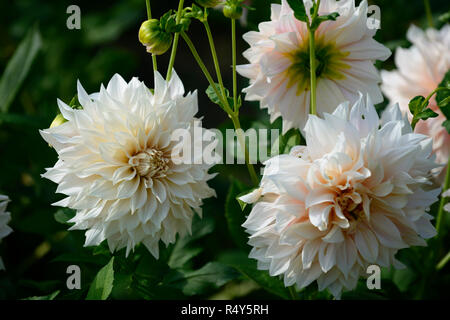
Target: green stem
{"points": [[241, 139], [312, 61], [440, 216], [205, 70], [443, 262], [233, 41], [214, 55], [175, 42], [293, 293], [429, 14], [149, 16]]}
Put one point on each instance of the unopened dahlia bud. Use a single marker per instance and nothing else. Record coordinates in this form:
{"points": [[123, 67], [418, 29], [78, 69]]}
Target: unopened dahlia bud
{"points": [[233, 9], [208, 3], [59, 120], [154, 37]]}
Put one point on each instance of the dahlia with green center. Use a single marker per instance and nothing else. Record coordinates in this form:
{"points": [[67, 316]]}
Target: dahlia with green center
{"points": [[279, 68]]}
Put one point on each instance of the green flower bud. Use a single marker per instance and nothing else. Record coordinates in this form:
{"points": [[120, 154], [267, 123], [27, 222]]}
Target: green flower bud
{"points": [[208, 3], [59, 120], [232, 11], [154, 37]]}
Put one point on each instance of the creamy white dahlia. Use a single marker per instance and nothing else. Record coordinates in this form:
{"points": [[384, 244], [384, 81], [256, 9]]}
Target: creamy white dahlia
{"points": [[446, 194], [5, 217], [421, 68], [118, 167], [352, 197], [279, 61]]}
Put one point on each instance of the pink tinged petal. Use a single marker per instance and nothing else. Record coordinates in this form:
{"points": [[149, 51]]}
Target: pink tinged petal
{"points": [[252, 197], [335, 235], [386, 232], [273, 64], [306, 230], [319, 196], [367, 244], [346, 256], [306, 277], [309, 252], [327, 256], [319, 215]]}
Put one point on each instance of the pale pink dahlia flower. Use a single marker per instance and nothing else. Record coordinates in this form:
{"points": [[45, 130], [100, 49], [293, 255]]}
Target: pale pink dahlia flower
{"points": [[421, 69], [279, 61], [116, 164], [352, 197]]}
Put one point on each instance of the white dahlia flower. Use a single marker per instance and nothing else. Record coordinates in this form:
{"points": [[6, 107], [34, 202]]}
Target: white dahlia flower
{"points": [[5, 217], [446, 194], [117, 163], [421, 68], [279, 61], [352, 197]]}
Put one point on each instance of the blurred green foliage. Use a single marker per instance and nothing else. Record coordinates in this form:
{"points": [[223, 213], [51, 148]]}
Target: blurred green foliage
{"points": [[210, 262]]}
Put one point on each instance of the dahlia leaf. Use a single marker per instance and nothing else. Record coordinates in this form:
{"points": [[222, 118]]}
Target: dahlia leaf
{"points": [[418, 108], [446, 125], [248, 267], [329, 17], [235, 215], [299, 9], [102, 285], [443, 96], [211, 93], [49, 297], [204, 280], [18, 67], [64, 215]]}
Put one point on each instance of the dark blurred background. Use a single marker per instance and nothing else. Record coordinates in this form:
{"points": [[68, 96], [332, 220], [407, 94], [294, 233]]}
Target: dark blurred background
{"points": [[107, 44]]}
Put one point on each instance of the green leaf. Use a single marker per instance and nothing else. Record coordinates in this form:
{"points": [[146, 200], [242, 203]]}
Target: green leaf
{"points": [[443, 96], [235, 215], [102, 285], [49, 297], [18, 67], [404, 278], [446, 125], [211, 93], [418, 108], [185, 248], [318, 20], [206, 279], [299, 9], [246, 266], [64, 215]]}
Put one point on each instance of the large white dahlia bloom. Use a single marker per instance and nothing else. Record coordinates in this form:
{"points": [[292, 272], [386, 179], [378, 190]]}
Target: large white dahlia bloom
{"points": [[5, 217], [421, 68], [352, 197], [279, 61], [117, 163]]}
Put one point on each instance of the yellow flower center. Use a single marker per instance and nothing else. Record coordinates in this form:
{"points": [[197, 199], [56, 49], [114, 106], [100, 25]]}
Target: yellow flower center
{"points": [[329, 64], [150, 163]]}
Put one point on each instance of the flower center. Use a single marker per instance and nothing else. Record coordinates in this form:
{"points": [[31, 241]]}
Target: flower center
{"points": [[329, 64], [150, 163], [352, 211]]}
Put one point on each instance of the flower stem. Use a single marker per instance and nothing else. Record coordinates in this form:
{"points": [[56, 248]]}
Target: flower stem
{"points": [[241, 139], [233, 41], [293, 293], [214, 55], [440, 215], [312, 61], [205, 70], [429, 14], [175, 42], [443, 262], [149, 16]]}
